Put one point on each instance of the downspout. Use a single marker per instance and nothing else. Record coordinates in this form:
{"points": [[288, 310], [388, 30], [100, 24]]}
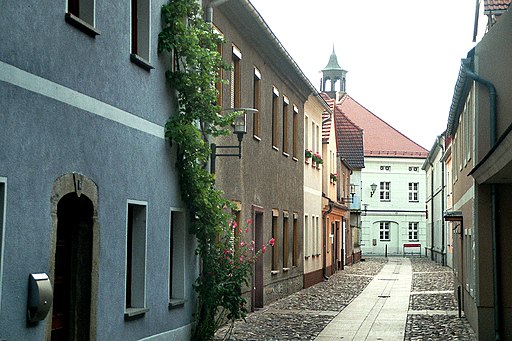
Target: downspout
{"points": [[324, 236], [209, 9], [496, 271], [443, 227], [432, 211]]}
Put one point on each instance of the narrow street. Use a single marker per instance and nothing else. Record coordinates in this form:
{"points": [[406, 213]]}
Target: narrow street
{"points": [[378, 299]]}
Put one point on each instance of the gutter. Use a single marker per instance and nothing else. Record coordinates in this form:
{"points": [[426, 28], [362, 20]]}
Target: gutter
{"points": [[324, 236], [494, 228]]}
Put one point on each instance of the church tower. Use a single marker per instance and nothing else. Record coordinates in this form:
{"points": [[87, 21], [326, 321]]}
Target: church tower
{"points": [[334, 76]]}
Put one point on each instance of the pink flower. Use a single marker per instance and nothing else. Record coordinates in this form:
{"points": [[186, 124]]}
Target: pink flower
{"points": [[263, 249], [242, 243], [247, 230], [241, 259], [233, 224], [249, 221], [272, 241]]}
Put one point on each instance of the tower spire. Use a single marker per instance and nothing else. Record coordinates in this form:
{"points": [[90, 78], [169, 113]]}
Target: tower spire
{"points": [[334, 74]]}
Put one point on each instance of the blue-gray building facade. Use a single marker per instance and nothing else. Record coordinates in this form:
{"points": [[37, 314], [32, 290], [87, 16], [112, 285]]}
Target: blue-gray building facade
{"points": [[88, 187]]}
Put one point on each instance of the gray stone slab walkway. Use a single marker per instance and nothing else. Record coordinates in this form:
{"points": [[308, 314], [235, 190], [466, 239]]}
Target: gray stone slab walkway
{"points": [[380, 311]]}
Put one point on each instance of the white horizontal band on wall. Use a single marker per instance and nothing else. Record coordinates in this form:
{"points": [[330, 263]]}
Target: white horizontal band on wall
{"points": [[15, 76]]}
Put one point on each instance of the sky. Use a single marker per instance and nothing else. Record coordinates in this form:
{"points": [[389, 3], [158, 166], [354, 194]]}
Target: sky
{"points": [[402, 56]]}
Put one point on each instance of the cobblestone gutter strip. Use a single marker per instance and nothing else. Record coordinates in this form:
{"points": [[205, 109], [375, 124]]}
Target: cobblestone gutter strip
{"points": [[303, 315], [433, 311], [438, 327]]}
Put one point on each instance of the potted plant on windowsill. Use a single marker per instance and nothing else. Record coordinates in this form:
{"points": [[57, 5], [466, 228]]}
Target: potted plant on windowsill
{"points": [[334, 177], [308, 154], [317, 159]]}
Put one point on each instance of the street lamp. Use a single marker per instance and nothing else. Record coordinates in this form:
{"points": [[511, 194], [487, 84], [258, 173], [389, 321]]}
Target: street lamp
{"points": [[240, 129], [373, 187]]}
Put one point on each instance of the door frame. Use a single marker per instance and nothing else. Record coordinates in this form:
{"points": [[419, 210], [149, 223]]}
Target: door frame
{"points": [[79, 184]]}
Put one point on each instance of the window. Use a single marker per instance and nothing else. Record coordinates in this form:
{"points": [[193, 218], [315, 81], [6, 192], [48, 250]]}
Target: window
{"points": [[275, 253], [141, 33], [176, 257], [306, 132], [80, 13], [275, 110], [385, 191], [256, 102], [3, 205], [385, 168], [235, 78], [317, 232], [220, 74], [413, 191], [413, 231], [295, 137], [384, 230], [295, 251], [414, 169], [313, 137], [136, 258], [285, 239], [307, 242], [286, 102]]}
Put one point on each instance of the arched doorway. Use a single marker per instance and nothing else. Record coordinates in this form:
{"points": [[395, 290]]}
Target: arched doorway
{"points": [[74, 266]]}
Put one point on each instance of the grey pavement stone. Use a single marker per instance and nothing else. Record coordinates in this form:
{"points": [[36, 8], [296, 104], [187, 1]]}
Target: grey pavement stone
{"points": [[303, 315]]}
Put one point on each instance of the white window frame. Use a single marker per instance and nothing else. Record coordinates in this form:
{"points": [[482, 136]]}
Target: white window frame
{"points": [[413, 231], [384, 227], [86, 21], [414, 191], [139, 306], [307, 242], [177, 217], [385, 191], [143, 52]]}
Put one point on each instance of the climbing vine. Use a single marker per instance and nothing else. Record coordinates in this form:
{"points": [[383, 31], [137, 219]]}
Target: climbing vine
{"points": [[192, 46]]}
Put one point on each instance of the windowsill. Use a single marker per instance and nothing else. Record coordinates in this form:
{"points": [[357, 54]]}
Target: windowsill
{"points": [[133, 313], [286, 269], [306, 257], [294, 158], [81, 25], [275, 148], [414, 201], [385, 240], [256, 137], [274, 272], [286, 154], [385, 200], [176, 303], [139, 61]]}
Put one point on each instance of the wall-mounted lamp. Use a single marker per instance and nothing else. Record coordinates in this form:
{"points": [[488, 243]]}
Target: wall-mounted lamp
{"points": [[373, 187], [240, 129]]}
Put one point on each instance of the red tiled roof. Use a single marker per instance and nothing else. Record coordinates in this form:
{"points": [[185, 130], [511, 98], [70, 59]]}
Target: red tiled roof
{"points": [[496, 6], [380, 139], [349, 137], [326, 127]]}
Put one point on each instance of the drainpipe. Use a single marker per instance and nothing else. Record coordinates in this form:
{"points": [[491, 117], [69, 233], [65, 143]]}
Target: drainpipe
{"points": [[432, 211], [324, 235], [209, 9], [443, 232], [495, 249]]}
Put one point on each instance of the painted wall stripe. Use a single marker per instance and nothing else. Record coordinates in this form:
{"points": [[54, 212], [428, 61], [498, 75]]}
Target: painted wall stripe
{"points": [[15, 76]]}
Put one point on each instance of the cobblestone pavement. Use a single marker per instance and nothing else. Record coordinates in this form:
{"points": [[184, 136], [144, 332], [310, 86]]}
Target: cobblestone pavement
{"points": [[433, 312], [303, 315]]}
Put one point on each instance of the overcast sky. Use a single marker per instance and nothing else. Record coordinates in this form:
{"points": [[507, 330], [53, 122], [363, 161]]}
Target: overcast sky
{"points": [[402, 56]]}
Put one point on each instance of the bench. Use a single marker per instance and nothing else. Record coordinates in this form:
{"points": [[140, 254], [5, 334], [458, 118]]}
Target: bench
{"points": [[411, 245]]}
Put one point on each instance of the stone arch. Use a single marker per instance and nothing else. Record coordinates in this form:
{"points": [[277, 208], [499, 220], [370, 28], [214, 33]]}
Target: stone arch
{"points": [[81, 189]]}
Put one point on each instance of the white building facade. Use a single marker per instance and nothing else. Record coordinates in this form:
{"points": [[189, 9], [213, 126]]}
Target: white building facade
{"points": [[393, 216]]}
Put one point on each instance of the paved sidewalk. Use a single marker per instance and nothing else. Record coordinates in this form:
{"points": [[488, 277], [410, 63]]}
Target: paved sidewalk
{"points": [[380, 311]]}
